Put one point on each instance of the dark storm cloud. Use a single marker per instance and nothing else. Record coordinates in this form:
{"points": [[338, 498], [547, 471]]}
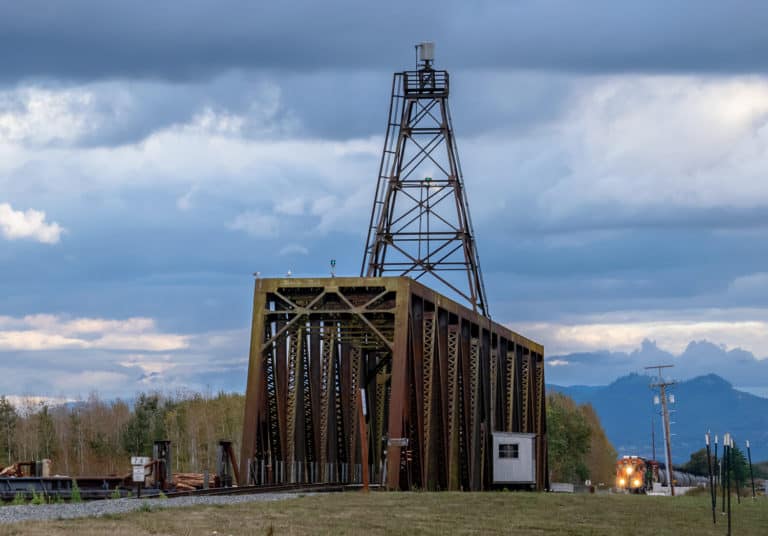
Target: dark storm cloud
{"points": [[192, 39], [544, 276], [342, 106]]}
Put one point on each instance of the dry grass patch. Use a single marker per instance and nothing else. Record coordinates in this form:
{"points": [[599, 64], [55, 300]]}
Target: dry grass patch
{"points": [[426, 513]]}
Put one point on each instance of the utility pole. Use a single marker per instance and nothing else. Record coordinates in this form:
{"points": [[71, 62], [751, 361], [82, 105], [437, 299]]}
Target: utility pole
{"points": [[662, 385], [728, 470], [751, 474], [717, 467]]}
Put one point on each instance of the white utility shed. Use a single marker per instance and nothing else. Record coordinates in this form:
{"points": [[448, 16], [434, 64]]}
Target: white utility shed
{"points": [[514, 458]]}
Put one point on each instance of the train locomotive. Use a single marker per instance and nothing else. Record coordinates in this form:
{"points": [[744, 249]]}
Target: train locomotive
{"points": [[637, 475]]}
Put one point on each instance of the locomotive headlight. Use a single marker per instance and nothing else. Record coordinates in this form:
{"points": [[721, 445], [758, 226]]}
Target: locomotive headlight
{"points": [[622, 482], [636, 483], [629, 469]]}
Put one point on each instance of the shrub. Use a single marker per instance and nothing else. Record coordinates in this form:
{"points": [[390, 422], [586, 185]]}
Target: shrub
{"points": [[75, 494], [19, 498]]}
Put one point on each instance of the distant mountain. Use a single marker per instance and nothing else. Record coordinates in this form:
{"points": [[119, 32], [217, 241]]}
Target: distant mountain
{"points": [[737, 366], [703, 403]]}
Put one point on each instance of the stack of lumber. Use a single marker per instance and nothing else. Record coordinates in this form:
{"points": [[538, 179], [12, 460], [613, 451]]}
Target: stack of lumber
{"points": [[188, 481], [11, 470]]}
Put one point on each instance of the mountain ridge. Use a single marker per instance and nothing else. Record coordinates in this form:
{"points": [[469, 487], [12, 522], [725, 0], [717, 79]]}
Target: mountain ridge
{"points": [[700, 357], [705, 402]]}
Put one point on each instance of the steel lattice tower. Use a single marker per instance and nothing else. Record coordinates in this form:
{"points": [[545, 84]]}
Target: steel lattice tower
{"points": [[420, 222]]}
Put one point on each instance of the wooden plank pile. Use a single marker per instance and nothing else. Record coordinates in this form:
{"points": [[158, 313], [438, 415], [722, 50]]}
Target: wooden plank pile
{"points": [[188, 481], [11, 471]]}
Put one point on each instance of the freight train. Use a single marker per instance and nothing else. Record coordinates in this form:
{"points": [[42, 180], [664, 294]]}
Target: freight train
{"points": [[637, 475], [681, 478]]}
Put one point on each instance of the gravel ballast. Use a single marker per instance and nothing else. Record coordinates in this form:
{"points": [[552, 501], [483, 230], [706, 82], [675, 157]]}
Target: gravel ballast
{"points": [[47, 512]]}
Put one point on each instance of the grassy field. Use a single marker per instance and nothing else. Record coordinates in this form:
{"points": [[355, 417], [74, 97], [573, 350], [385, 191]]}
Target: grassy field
{"points": [[427, 513]]}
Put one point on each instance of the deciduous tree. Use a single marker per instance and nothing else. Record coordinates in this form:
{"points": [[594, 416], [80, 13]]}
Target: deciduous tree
{"points": [[568, 437]]}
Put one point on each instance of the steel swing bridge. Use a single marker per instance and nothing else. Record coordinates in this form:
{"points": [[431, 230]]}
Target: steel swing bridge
{"points": [[382, 367]]}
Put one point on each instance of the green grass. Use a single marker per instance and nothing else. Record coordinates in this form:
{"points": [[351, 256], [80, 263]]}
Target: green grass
{"points": [[37, 498], [429, 513]]}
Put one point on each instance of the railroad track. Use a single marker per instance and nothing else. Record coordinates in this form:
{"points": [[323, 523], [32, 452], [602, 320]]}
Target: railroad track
{"points": [[248, 490], [100, 489]]}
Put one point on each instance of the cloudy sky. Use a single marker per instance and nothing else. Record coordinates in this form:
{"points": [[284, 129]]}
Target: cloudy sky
{"points": [[154, 155]]}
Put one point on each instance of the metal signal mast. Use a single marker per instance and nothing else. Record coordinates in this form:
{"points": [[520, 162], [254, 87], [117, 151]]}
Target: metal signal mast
{"points": [[420, 223]]}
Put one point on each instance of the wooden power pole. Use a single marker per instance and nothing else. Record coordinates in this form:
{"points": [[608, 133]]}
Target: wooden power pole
{"points": [[662, 385]]}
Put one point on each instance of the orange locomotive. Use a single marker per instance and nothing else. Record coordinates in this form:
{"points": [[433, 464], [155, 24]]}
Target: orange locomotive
{"points": [[635, 474]]}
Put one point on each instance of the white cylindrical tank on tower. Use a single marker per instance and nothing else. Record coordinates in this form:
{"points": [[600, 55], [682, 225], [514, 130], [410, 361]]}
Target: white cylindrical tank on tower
{"points": [[427, 51]]}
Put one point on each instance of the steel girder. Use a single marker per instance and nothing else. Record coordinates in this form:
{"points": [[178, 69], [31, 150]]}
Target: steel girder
{"points": [[438, 378]]}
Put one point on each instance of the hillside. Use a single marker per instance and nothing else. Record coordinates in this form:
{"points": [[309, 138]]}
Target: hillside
{"points": [[626, 410]]}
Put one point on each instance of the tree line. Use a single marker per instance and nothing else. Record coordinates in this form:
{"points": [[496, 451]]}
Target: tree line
{"points": [[96, 436], [739, 470]]}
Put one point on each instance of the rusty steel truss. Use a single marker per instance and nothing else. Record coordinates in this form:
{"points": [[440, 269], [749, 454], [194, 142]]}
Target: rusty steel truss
{"points": [[420, 222], [436, 380]]}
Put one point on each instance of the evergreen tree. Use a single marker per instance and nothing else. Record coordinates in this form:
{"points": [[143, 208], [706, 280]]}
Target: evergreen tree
{"points": [[77, 439], [738, 467], [146, 426], [8, 421], [46, 433]]}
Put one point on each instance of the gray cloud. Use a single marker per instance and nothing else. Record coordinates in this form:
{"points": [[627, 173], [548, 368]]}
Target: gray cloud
{"points": [[193, 39], [346, 105], [540, 260], [115, 364]]}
